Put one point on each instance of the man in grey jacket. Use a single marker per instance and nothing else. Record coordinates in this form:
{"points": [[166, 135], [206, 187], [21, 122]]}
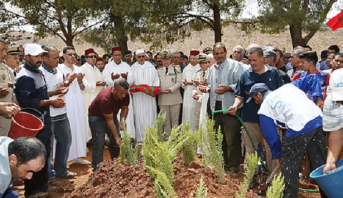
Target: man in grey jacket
{"points": [[222, 81]]}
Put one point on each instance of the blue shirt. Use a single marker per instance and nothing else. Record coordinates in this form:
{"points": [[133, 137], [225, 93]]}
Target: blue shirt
{"points": [[248, 78], [30, 89]]}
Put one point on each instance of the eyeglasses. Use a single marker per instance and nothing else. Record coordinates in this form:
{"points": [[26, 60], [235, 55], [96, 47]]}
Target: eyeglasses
{"points": [[141, 56], [72, 54], [287, 57], [78, 59], [94, 56]]}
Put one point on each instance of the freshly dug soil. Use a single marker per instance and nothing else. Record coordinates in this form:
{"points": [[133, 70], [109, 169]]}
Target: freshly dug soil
{"points": [[113, 179]]}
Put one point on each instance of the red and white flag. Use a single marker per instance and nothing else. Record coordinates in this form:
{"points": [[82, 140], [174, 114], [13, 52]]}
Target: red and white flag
{"points": [[336, 22]]}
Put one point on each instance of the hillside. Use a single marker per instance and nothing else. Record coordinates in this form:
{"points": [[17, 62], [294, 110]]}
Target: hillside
{"points": [[199, 40]]}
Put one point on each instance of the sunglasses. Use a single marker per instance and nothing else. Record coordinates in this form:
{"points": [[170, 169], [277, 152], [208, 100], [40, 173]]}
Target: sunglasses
{"points": [[94, 56], [78, 59], [72, 54], [141, 56]]}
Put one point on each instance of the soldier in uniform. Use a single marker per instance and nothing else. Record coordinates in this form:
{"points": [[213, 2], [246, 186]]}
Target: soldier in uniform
{"points": [[6, 88], [170, 99], [199, 79]]}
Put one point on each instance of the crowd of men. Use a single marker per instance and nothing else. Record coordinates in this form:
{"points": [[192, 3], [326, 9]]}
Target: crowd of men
{"points": [[84, 98]]}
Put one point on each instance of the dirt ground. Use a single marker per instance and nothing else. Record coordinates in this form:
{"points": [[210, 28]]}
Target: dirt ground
{"points": [[185, 184]]}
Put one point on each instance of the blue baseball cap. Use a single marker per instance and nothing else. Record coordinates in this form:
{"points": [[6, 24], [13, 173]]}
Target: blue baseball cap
{"points": [[257, 88]]}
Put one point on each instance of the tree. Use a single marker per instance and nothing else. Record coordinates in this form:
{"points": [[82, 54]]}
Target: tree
{"points": [[299, 16], [177, 17], [122, 20], [61, 18]]}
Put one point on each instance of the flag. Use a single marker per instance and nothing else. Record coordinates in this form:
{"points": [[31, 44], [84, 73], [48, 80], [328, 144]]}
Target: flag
{"points": [[150, 90], [336, 22]]}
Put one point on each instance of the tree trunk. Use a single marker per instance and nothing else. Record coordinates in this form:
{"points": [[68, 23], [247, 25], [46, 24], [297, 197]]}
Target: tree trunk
{"points": [[217, 25], [69, 40], [120, 32], [296, 35]]}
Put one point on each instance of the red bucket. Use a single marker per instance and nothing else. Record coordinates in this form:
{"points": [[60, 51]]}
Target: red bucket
{"points": [[25, 124]]}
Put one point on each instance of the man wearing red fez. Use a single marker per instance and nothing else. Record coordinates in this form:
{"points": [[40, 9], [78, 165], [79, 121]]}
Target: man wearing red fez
{"points": [[116, 69], [94, 82], [187, 85]]}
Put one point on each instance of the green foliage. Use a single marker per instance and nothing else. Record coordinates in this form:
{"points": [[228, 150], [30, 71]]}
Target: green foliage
{"points": [[189, 150], [161, 117], [62, 18], [201, 190], [163, 188], [153, 132], [296, 15], [277, 187], [210, 143], [159, 156], [127, 153], [250, 167]]}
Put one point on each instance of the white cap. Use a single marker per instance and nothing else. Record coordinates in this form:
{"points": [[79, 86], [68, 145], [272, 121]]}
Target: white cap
{"points": [[210, 55], [139, 51], [336, 85], [33, 49]]}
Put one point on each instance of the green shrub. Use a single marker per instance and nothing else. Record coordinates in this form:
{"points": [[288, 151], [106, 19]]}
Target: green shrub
{"points": [[210, 143], [189, 148], [127, 153], [277, 187], [201, 190], [250, 167]]}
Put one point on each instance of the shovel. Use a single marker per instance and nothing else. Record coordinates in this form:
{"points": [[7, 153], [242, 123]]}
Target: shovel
{"points": [[275, 171]]}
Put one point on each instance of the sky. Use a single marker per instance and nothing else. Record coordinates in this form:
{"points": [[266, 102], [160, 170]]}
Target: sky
{"points": [[249, 11]]}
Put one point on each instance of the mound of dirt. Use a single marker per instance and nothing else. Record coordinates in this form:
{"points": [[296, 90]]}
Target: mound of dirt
{"points": [[113, 179]]}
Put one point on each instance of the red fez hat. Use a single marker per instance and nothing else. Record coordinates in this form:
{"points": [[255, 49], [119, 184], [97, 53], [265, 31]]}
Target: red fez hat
{"points": [[88, 51], [194, 53], [116, 49], [99, 59]]}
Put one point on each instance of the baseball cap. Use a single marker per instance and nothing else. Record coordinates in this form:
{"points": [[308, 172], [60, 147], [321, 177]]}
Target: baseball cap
{"points": [[336, 85], [33, 49], [257, 88], [269, 53]]}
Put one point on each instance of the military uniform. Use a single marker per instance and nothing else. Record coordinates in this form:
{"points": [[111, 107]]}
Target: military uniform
{"points": [[170, 103], [5, 77]]}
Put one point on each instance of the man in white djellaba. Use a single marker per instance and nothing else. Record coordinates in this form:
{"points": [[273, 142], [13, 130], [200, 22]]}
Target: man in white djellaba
{"points": [[187, 84], [144, 89], [116, 69], [94, 82], [75, 106]]}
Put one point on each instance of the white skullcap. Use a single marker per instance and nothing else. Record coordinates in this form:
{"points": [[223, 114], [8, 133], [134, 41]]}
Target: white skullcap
{"points": [[210, 55], [139, 51]]}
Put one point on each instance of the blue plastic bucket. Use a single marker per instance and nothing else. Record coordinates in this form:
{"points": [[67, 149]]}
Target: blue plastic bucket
{"points": [[332, 183]]}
